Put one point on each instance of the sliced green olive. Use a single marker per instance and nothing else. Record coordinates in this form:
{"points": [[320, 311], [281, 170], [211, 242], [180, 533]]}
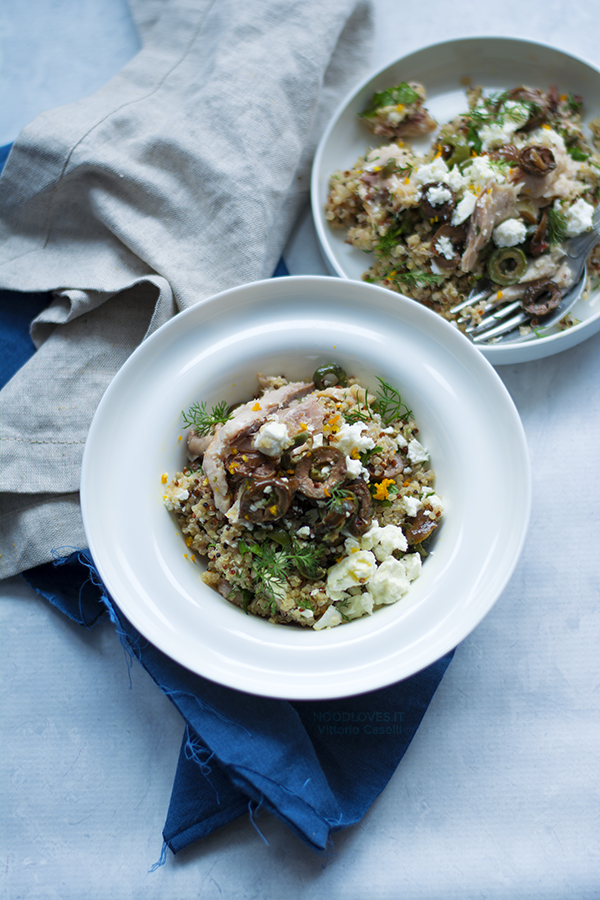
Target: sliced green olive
{"points": [[507, 265], [455, 149], [329, 375]]}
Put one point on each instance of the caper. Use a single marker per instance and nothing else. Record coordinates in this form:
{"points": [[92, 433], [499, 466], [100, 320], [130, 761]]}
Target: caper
{"points": [[507, 265], [329, 375], [455, 149]]}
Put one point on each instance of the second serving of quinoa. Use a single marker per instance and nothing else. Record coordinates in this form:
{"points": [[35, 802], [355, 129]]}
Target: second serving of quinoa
{"points": [[311, 504], [504, 186]]}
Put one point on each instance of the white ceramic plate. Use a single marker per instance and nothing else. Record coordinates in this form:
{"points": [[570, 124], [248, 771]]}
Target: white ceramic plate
{"points": [[291, 325], [444, 69]]}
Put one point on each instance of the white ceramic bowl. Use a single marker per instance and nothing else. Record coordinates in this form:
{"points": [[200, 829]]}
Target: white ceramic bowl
{"points": [[290, 325], [444, 69]]}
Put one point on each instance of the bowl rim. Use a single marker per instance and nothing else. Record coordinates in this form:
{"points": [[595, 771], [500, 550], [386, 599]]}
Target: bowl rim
{"points": [[306, 283]]}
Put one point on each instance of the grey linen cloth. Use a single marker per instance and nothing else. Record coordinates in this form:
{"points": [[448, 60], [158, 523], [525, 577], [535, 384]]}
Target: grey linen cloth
{"points": [[180, 178]]}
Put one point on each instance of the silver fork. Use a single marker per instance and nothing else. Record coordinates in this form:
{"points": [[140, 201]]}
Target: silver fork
{"points": [[502, 320]]}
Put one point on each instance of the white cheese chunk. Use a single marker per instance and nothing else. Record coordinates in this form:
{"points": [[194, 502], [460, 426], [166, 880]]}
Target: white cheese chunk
{"points": [[464, 208], [272, 439], [579, 217], [390, 581], [350, 571], [509, 233], [416, 452], [350, 438], [330, 618]]}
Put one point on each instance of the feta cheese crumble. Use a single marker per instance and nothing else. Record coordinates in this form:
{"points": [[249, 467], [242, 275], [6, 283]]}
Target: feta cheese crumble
{"points": [[416, 452], [509, 233], [445, 247], [579, 217], [351, 438], [272, 439]]}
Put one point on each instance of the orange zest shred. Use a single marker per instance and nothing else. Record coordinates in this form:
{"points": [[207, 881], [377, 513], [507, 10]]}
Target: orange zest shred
{"points": [[382, 489]]}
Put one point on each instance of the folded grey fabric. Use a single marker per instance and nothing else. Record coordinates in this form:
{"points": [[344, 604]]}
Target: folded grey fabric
{"points": [[180, 178]]}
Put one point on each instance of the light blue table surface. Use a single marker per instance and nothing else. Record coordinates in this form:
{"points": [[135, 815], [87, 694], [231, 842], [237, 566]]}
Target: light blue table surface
{"points": [[497, 796]]}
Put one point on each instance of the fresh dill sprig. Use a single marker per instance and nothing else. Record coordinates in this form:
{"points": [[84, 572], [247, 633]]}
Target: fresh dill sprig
{"points": [[360, 412], [337, 493], [391, 238], [557, 226], [202, 421], [389, 404], [415, 278], [272, 565]]}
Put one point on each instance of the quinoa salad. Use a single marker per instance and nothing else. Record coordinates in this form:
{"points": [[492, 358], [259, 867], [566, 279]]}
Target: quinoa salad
{"points": [[503, 187], [312, 504]]}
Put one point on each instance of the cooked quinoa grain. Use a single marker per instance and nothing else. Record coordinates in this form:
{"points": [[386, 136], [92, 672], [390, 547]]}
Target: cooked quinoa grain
{"points": [[311, 504]]}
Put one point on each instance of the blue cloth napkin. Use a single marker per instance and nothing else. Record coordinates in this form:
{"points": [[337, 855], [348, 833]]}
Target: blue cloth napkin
{"points": [[318, 766]]}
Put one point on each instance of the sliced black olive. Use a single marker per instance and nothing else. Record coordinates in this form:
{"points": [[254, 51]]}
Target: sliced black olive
{"points": [[421, 527], [250, 464], [339, 511], [329, 375], [541, 297], [509, 153], [432, 210], [507, 265], [363, 518], [266, 500], [539, 243], [456, 234], [320, 471], [537, 160]]}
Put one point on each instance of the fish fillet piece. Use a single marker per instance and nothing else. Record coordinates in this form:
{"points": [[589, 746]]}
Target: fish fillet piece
{"points": [[246, 420], [496, 203]]}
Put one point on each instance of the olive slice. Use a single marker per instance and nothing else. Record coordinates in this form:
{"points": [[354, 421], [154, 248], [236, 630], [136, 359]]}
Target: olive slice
{"points": [[320, 471], [266, 500], [432, 210], [421, 527], [329, 375], [455, 149], [363, 518], [509, 153], [507, 265], [541, 297], [537, 160], [339, 510]]}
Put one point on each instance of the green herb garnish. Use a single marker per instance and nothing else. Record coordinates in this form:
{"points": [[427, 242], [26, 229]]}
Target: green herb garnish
{"points": [[389, 404], [415, 278], [574, 103], [360, 413], [366, 455], [272, 565], [577, 154], [401, 94], [202, 421], [557, 226]]}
